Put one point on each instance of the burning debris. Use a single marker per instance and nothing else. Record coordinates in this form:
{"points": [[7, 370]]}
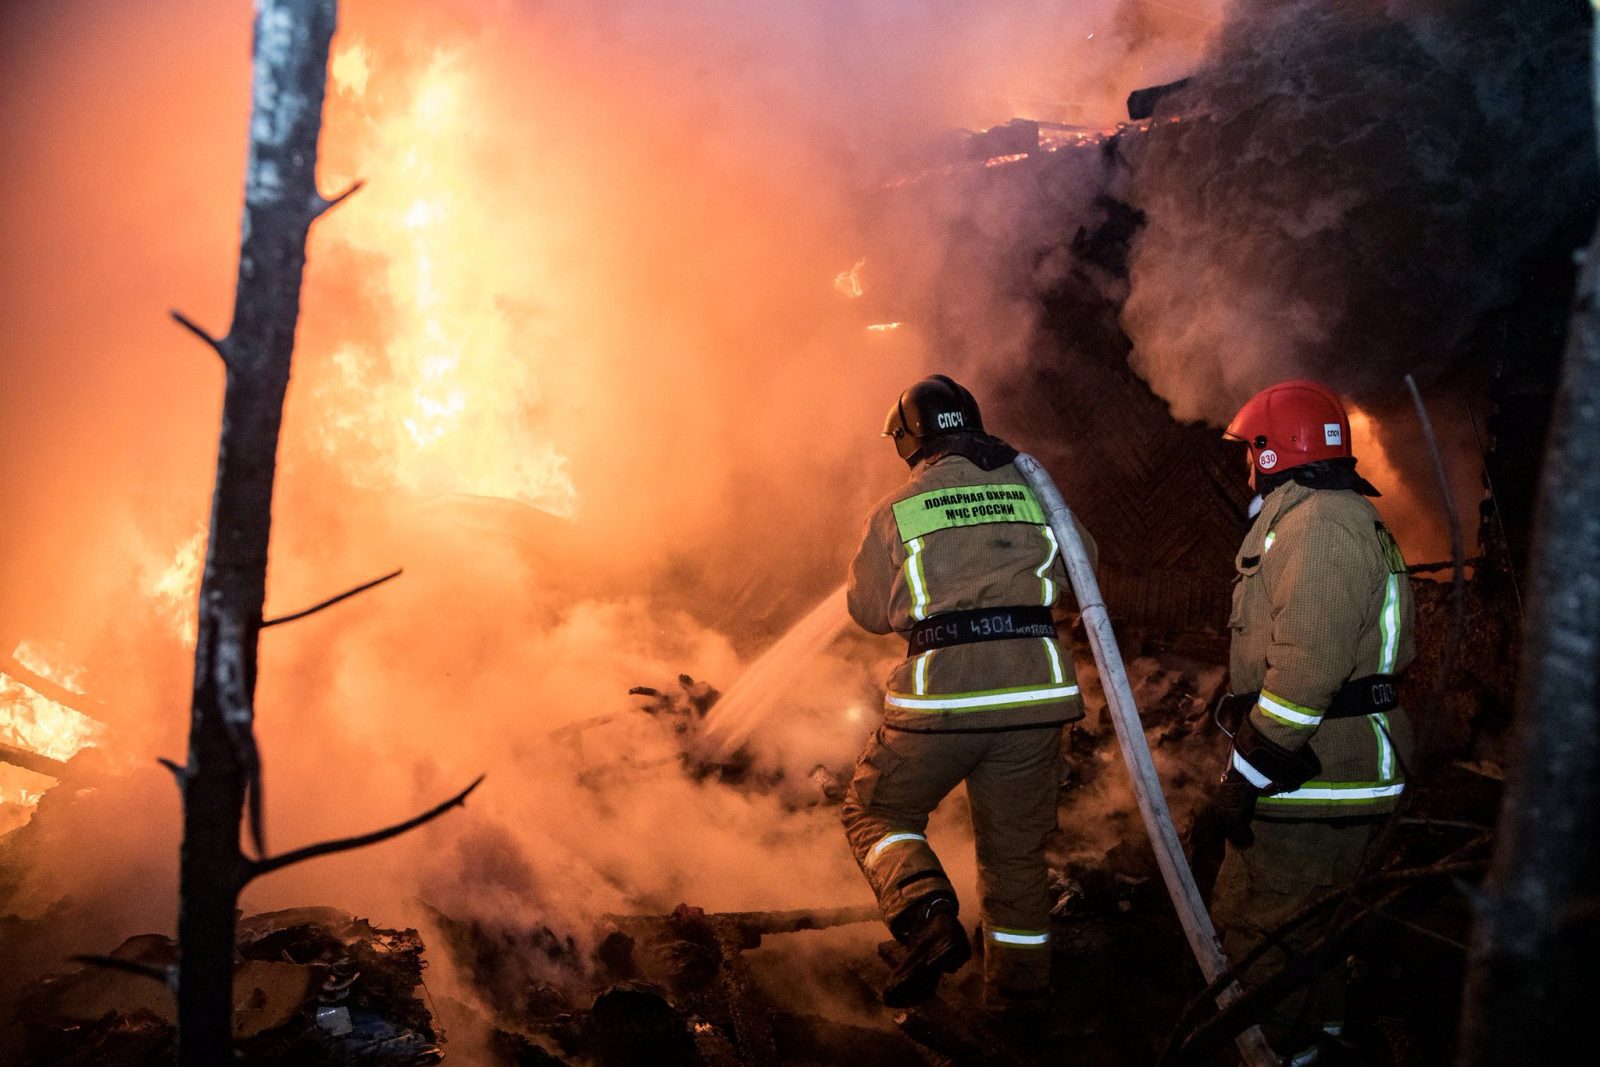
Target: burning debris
{"points": [[41, 729], [311, 986]]}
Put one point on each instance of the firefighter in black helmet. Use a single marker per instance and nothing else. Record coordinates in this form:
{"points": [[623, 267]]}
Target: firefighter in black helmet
{"points": [[935, 407], [961, 561]]}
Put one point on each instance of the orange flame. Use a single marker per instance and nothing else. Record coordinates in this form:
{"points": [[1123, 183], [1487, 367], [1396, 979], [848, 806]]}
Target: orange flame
{"points": [[1411, 513], [32, 721], [175, 586], [848, 282], [1000, 161], [440, 400]]}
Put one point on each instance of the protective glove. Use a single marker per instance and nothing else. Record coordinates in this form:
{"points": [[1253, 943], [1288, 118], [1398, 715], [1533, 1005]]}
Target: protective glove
{"points": [[1235, 805], [1231, 710]]}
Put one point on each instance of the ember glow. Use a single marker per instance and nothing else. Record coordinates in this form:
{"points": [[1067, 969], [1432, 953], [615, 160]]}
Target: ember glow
{"points": [[1001, 161]]}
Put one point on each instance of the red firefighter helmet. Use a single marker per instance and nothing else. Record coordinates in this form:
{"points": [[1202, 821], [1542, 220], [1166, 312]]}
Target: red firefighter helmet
{"points": [[1292, 423]]}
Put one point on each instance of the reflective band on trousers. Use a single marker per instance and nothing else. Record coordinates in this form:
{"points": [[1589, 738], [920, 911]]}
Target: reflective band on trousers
{"points": [[892, 839], [1021, 938], [1000, 698]]}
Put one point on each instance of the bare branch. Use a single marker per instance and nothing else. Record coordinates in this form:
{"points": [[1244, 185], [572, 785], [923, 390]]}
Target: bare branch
{"points": [[1416, 927], [1189, 1045], [260, 867], [144, 970], [199, 331], [320, 206], [331, 601], [179, 771], [1394, 883]]}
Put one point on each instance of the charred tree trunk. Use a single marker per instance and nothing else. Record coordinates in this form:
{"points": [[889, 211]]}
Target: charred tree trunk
{"points": [[1532, 983], [290, 60], [221, 781]]}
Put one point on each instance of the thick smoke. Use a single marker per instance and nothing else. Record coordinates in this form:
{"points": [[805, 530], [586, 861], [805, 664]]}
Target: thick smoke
{"points": [[1351, 189], [620, 223]]}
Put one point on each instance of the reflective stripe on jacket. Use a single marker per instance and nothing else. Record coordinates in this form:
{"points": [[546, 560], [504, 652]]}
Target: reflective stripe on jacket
{"points": [[1322, 597], [956, 537]]}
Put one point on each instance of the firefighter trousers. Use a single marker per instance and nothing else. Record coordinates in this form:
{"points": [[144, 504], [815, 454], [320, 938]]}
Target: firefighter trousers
{"points": [[1290, 865], [1011, 779]]}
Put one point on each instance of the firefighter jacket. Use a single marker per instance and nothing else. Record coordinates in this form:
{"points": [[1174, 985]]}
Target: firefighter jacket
{"points": [[955, 538], [1322, 598]]}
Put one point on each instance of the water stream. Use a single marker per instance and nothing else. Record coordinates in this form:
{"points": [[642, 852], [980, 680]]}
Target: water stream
{"points": [[762, 688]]}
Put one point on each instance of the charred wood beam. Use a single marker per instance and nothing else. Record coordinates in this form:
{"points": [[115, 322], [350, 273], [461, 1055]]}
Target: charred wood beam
{"points": [[757, 923], [81, 703], [752, 1028], [31, 761], [789, 922], [1142, 102]]}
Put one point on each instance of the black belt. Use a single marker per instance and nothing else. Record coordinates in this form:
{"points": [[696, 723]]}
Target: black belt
{"points": [[979, 624], [1356, 698], [1365, 696]]}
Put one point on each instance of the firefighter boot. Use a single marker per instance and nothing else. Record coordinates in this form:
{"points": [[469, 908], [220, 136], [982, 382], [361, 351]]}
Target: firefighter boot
{"points": [[936, 945]]}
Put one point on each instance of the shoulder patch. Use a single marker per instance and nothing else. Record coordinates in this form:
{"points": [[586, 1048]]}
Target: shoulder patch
{"points": [[1391, 549]]}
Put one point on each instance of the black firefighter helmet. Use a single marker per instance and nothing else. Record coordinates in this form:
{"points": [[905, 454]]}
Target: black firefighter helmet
{"points": [[934, 407]]}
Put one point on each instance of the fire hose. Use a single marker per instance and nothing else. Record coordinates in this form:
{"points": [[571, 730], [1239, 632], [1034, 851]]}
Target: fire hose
{"points": [[1175, 872]]}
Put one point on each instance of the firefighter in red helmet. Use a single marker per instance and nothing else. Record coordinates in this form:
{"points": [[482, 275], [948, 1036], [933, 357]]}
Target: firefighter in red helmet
{"points": [[1321, 629], [962, 562]]}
